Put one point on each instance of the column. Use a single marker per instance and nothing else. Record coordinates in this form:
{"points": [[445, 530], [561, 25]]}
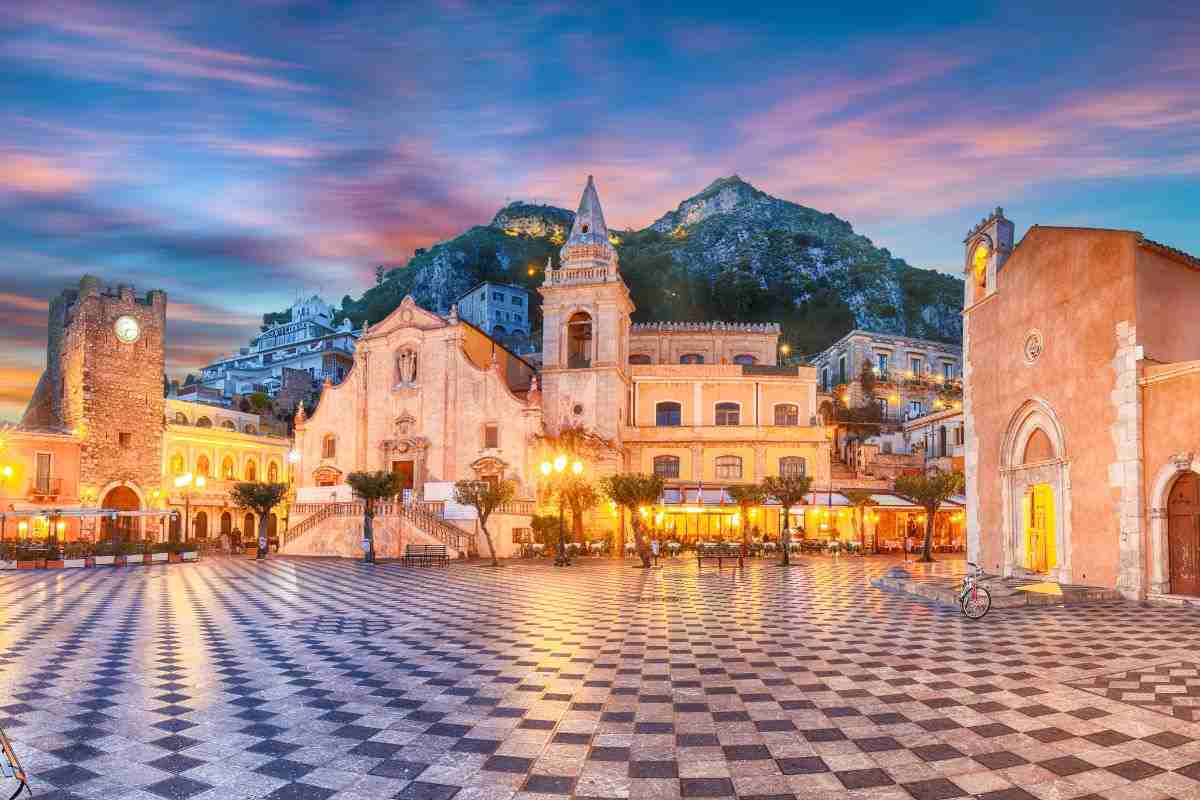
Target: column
{"points": [[697, 403]]}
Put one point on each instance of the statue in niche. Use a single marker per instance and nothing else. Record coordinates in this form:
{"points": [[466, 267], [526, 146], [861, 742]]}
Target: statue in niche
{"points": [[406, 367]]}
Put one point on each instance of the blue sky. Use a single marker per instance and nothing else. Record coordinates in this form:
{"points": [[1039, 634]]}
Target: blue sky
{"points": [[236, 154]]}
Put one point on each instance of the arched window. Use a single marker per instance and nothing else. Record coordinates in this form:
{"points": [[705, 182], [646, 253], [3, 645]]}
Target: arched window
{"points": [[691, 358], [745, 359], [251, 471], [1038, 448], [177, 464], [666, 466], [639, 358], [329, 446], [273, 472], [250, 429], [180, 418], [579, 341], [202, 467], [499, 331], [728, 414], [204, 422], [227, 472], [979, 259], [228, 425], [792, 467], [406, 366], [668, 414], [787, 414], [729, 467]]}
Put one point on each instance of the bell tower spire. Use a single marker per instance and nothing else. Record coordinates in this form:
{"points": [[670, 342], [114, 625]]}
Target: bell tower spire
{"points": [[587, 256]]}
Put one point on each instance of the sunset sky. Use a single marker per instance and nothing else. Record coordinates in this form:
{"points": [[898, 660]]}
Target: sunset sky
{"points": [[236, 154]]}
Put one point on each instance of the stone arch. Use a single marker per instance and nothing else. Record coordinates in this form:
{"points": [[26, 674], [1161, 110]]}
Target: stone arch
{"points": [[1034, 454], [121, 497], [579, 338], [1160, 490]]}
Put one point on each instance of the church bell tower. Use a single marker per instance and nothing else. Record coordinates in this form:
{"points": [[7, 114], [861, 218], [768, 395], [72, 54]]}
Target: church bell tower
{"points": [[585, 331]]}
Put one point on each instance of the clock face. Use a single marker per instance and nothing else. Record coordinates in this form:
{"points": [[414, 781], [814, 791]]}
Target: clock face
{"points": [[127, 329]]}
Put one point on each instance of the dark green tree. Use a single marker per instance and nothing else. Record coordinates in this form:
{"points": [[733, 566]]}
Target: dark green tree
{"points": [[747, 496], [260, 498], [485, 497], [929, 491], [372, 487], [789, 491], [634, 491]]}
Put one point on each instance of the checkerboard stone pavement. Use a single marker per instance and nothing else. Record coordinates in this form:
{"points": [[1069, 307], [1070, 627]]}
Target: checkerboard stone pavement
{"points": [[298, 679]]}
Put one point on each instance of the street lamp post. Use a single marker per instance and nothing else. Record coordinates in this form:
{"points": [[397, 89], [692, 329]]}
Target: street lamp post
{"points": [[557, 468], [185, 482]]}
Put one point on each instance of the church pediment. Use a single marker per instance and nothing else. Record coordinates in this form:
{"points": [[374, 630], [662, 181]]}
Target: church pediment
{"points": [[407, 315]]}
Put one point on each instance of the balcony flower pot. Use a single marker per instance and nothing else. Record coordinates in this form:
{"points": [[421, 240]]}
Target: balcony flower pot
{"points": [[157, 558]]}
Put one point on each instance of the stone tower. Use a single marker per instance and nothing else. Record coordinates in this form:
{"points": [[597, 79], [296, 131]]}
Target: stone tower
{"points": [[104, 382], [987, 247], [585, 331]]}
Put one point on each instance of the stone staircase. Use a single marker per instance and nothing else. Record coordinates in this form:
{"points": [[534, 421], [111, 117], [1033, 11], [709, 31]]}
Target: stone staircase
{"points": [[336, 529]]}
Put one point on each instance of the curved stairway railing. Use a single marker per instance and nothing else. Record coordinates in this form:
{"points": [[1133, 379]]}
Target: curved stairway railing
{"points": [[419, 514]]}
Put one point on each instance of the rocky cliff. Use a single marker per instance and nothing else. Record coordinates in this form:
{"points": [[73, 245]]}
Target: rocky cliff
{"points": [[730, 252]]}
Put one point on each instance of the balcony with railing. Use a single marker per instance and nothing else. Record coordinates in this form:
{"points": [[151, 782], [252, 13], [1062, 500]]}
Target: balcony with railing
{"points": [[44, 489]]}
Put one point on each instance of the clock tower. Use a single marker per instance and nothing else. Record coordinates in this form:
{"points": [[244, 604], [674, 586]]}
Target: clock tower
{"points": [[104, 382]]}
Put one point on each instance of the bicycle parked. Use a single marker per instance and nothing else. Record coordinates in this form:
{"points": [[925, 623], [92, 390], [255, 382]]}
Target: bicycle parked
{"points": [[10, 767], [974, 600]]}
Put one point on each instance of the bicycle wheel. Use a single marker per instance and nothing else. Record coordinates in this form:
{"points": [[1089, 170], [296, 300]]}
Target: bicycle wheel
{"points": [[975, 605]]}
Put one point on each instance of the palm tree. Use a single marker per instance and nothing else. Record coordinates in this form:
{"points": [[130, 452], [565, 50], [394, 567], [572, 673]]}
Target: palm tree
{"points": [[860, 500], [486, 497], [747, 495], [634, 491], [790, 491], [371, 487], [929, 491], [259, 498]]}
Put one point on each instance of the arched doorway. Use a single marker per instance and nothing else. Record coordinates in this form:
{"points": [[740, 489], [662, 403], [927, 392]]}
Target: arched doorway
{"points": [[249, 530], [1035, 487], [200, 526], [121, 529], [226, 523], [1183, 535], [272, 529]]}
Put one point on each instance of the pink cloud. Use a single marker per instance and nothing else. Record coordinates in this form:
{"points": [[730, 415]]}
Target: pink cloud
{"points": [[23, 172]]}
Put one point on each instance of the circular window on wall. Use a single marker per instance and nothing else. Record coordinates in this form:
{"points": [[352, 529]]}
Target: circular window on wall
{"points": [[1033, 347], [577, 410]]}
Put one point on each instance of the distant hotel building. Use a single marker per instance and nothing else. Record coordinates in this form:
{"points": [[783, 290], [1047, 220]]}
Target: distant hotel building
{"points": [[498, 309], [308, 342]]}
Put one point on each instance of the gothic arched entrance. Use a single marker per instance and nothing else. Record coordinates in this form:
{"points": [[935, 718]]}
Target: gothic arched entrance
{"points": [[1036, 494], [1183, 534], [200, 526], [226, 523], [121, 529]]}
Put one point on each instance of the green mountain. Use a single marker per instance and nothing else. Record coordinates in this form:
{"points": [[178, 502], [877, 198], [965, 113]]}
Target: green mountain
{"points": [[731, 252]]}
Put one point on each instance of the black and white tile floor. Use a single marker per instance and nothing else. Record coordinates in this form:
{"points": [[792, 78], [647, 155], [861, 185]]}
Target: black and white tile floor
{"points": [[299, 679]]}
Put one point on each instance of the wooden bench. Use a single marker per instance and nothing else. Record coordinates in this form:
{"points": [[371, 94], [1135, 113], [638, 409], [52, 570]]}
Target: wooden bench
{"points": [[425, 555], [721, 551]]}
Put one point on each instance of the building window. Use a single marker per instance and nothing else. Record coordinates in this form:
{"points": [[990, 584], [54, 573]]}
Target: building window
{"points": [[227, 469], [273, 472], [745, 359], [491, 436], [959, 435], [668, 414], [887, 447], [787, 414], [914, 409], [792, 467], [329, 446], [125, 440], [881, 404], [666, 466], [881, 363], [579, 341], [914, 365], [728, 414], [516, 300], [204, 422], [202, 466], [180, 418], [499, 331], [43, 472], [729, 467], [251, 471], [639, 358], [251, 429], [841, 369], [825, 379], [948, 370], [229, 425], [691, 358], [177, 465]]}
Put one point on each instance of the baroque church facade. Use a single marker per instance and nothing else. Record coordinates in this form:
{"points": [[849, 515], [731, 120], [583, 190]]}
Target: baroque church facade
{"points": [[436, 399]]}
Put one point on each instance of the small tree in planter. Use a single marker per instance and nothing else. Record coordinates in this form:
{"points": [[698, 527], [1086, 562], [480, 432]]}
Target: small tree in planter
{"points": [[790, 491], [259, 498], [579, 495], [485, 497], [371, 487], [929, 491], [545, 529], [634, 491], [746, 495], [859, 501]]}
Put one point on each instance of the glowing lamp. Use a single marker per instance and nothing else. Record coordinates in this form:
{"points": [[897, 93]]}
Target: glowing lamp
{"points": [[785, 348], [560, 463], [22, 527], [62, 526], [7, 471], [546, 468], [577, 467], [294, 456]]}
